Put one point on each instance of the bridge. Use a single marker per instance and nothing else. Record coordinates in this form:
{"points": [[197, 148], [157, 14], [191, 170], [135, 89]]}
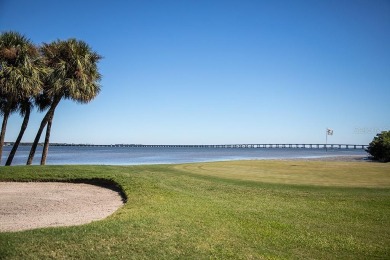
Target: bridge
{"points": [[293, 146], [255, 146]]}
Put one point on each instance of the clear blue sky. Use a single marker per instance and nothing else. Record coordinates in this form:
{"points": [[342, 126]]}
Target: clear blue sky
{"points": [[219, 72]]}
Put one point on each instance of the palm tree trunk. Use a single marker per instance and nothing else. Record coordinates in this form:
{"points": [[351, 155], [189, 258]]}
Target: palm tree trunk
{"points": [[21, 133], [40, 130], [36, 140], [47, 139], [3, 129]]}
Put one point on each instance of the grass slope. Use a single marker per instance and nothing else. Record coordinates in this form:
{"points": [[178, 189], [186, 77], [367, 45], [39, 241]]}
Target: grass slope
{"points": [[229, 210]]}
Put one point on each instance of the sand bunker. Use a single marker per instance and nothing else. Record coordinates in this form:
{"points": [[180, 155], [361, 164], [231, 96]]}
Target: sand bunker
{"points": [[50, 204]]}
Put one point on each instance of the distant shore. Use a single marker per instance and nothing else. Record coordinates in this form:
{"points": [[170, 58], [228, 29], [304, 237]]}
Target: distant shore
{"points": [[343, 158]]}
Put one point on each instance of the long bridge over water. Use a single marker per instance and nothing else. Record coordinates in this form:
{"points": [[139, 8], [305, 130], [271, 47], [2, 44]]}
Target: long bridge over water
{"points": [[264, 146]]}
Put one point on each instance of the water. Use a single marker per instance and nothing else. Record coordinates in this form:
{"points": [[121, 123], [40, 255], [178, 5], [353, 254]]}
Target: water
{"points": [[59, 155]]}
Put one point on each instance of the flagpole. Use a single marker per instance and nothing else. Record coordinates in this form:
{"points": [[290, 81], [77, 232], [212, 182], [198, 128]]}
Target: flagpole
{"points": [[326, 139], [327, 132]]}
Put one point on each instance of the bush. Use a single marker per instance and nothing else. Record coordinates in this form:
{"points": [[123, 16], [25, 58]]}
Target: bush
{"points": [[379, 148]]}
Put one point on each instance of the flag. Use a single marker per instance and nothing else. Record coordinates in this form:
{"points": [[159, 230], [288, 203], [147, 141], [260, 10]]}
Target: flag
{"points": [[329, 131]]}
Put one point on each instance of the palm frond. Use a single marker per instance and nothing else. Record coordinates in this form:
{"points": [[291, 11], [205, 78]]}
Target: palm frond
{"points": [[74, 73], [22, 69]]}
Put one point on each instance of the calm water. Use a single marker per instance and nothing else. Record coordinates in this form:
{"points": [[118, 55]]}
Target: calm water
{"points": [[135, 156]]}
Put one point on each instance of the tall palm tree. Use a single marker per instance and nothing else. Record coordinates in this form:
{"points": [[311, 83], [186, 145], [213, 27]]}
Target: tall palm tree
{"points": [[20, 75], [74, 75]]}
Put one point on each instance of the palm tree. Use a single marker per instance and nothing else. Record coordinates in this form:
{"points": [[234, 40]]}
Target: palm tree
{"points": [[74, 75], [20, 75]]}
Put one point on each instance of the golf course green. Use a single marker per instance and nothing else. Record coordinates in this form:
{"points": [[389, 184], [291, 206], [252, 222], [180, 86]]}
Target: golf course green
{"points": [[222, 210]]}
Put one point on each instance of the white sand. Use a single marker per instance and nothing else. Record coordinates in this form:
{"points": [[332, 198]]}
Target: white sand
{"points": [[49, 204]]}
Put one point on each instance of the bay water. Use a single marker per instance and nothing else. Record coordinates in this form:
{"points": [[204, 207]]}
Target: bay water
{"points": [[95, 155]]}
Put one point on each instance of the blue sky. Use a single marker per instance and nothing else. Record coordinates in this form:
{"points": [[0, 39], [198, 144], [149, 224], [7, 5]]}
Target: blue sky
{"points": [[219, 72]]}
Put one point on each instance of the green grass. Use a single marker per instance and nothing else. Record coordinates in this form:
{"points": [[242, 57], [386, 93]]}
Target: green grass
{"points": [[223, 210]]}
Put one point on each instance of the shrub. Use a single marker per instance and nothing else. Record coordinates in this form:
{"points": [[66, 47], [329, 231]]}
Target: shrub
{"points": [[379, 148]]}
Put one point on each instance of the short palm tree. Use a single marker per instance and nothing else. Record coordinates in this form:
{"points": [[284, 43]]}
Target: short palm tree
{"points": [[74, 75], [21, 74]]}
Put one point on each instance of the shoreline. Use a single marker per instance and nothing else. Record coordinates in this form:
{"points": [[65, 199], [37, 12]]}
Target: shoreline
{"points": [[341, 158], [152, 156]]}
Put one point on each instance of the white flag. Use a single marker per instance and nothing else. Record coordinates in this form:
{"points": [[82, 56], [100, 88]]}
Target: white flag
{"points": [[329, 131]]}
